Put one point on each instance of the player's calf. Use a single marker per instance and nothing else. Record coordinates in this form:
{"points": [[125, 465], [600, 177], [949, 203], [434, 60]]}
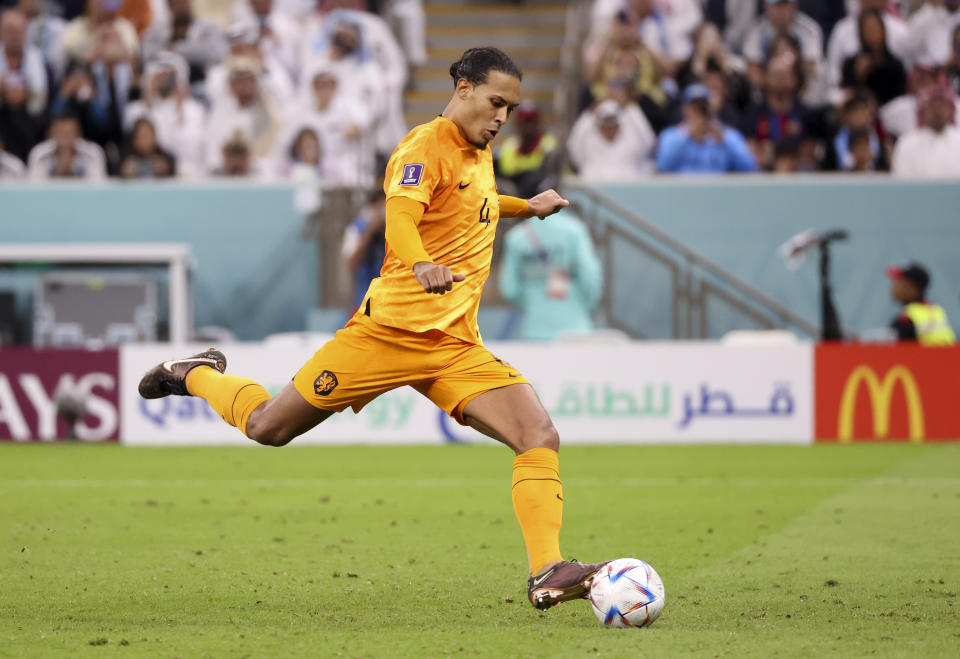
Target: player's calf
{"points": [[264, 429], [286, 416]]}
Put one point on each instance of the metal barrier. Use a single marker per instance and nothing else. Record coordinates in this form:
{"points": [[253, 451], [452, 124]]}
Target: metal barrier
{"points": [[657, 288]]}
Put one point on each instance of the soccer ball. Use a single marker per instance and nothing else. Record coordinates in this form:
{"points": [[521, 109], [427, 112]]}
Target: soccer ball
{"points": [[627, 593]]}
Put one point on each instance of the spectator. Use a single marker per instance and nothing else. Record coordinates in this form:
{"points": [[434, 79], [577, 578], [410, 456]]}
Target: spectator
{"points": [[274, 78], [781, 18], [246, 110], [10, 165], [370, 68], [930, 28], [612, 142], [551, 273], [298, 10], [410, 22], [781, 114], [920, 320], [933, 150], [343, 127], [710, 56], [81, 35], [730, 111], [44, 31], [953, 64], [139, 13], [19, 129], [526, 162], [859, 116], [303, 165], [198, 41], [826, 13], [179, 120], [667, 27], [277, 33], [846, 42], [701, 144], [874, 68], [734, 19], [902, 114], [66, 154], [90, 95], [626, 63], [371, 40], [143, 157], [364, 245], [786, 157], [862, 152], [304, 156], [19, 57], [235, 160]]}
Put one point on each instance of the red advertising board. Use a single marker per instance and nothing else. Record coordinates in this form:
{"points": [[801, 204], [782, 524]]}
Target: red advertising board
{"points": [[893, 392], [36, 385]]}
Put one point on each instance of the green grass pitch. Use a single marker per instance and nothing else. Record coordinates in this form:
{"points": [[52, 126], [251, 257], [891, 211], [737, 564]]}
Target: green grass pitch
{"points": [[825, 551]]}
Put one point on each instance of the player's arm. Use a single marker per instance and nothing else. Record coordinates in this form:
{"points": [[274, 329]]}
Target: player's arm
{"points": [[544, 204], [403, 216]]}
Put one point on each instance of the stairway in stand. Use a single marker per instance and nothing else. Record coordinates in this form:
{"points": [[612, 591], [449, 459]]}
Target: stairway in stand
{"points": [[531, 32]]}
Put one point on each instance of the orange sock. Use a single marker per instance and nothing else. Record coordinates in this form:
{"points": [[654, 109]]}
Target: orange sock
{"points": [[538, 503], [233, 398]]}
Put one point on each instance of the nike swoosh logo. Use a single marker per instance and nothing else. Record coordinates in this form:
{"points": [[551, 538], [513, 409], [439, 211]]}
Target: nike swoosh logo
{"points": [[168, 366], [462, 186], [537, 582], [514, 375]]}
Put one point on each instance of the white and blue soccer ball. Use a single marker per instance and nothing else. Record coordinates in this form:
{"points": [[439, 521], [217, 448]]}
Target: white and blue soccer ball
{"points": [[627, 593]]}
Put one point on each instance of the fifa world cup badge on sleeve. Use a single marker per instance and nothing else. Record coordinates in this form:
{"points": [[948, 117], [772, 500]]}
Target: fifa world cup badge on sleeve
{"points": [[412, 174]]}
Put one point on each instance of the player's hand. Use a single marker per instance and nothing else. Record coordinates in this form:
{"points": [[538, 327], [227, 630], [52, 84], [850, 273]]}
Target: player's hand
{"points": [[546, 203], [435, 278]]}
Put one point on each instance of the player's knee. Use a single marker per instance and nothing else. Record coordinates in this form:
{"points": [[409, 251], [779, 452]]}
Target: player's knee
{"points": [[544, 435]]}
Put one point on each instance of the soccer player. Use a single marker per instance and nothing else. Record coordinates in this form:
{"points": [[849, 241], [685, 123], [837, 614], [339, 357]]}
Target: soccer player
{"points": [[417, 325]]}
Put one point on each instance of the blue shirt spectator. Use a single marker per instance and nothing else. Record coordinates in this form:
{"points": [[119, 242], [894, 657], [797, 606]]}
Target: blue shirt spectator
{"points": [[551, 272], [364, 245], [701, 144]]}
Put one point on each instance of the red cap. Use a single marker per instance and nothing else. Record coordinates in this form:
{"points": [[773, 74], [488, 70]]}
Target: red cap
{"points": [[912, 272]]}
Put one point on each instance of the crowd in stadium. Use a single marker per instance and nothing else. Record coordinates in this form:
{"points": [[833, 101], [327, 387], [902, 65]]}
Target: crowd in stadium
{"points": [[770, 85], [151, 89], [304, 89]]}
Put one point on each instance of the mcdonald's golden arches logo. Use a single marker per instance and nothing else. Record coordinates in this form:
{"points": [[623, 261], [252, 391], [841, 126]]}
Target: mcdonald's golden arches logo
{"points": [[881, 396]]}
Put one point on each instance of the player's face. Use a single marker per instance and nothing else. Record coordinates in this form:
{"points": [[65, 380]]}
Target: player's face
{"points": [[487, 106]]}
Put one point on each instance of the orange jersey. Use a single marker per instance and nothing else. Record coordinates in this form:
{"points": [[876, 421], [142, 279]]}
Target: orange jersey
{"points": [[436, 166]]}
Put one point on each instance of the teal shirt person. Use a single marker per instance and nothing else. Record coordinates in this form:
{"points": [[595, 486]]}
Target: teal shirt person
{"points": [[551, 272]]}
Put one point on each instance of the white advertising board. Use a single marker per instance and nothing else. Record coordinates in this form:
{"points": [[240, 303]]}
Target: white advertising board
{"points": [[640, 392]]}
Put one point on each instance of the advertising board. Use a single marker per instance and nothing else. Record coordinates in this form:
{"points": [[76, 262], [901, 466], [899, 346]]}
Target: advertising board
{"points": [[37, 386], [891, 392], [595, 393]]}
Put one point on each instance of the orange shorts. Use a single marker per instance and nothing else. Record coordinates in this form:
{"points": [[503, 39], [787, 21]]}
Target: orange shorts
{"points": [[366, 359]]}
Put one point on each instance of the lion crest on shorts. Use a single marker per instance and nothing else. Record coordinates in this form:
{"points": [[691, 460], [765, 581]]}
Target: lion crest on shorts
{"points": [[325, 383]]}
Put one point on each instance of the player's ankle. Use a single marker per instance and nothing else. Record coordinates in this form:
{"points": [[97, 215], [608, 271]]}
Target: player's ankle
{"points": [[545, 567]]}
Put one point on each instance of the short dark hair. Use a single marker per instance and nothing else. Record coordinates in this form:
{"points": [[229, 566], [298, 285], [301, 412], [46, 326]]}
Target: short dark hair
{"points": [[859, 99], [786, 148], [476, 63]]}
